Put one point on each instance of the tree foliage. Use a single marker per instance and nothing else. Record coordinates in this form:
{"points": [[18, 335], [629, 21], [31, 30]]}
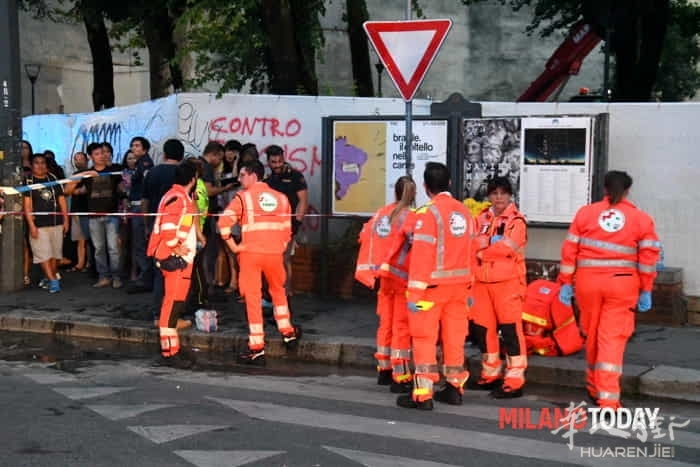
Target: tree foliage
{"points": [[678, 76], [264, 45], [654, 42]]}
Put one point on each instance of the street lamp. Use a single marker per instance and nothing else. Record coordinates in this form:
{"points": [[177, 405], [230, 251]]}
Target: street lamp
{"points": [[380, 68], [32, 71]]}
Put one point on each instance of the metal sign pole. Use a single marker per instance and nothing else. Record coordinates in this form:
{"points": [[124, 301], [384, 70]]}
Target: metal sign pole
{"points": [[409, 116]]}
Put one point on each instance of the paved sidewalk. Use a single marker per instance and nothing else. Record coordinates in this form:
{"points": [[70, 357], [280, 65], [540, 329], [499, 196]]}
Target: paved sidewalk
{"points": [[660, 361]]}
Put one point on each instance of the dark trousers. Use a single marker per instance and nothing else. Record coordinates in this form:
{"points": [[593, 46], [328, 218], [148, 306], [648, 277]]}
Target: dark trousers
{"points": [[198, 295]]}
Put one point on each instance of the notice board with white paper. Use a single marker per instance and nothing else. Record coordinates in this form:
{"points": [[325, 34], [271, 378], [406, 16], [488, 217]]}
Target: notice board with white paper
{"points": [[556, 167]]}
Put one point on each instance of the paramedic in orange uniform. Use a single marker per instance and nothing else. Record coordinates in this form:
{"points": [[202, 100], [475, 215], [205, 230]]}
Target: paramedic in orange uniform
{"points": [[385, 244], [499, 292], [439, 282], [173, 244], [609, 261], [265, 218]]}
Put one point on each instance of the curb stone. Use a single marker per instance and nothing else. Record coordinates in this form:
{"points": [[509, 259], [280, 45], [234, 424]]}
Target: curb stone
{"points": [[666, 382]]}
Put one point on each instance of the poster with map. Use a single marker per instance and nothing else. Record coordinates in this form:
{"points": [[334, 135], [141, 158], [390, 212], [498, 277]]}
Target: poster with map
{"points": [[369, 156]]}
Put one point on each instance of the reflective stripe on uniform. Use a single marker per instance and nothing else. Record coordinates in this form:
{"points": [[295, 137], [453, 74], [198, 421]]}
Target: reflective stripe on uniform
{"points": [[417, 285], [616, 247], [400, 353], [646, 269], [608, 396], [606, 263], [263, 226], [608, 367], [451, 273], [649, 244], [425, 238], [572, 238], [398, 272]]}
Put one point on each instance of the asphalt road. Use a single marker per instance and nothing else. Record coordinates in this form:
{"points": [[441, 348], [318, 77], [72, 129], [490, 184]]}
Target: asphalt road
{"points": [[86, 406]]}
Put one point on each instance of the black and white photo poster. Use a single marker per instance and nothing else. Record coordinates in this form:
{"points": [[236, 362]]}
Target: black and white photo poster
{"points": [[492, 148], [556, 167]]}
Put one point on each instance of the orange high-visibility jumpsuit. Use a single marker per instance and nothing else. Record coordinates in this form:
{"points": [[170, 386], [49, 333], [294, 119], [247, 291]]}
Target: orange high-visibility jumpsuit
{"points": [[440, 274], [172, 228], [392, 295], [499, 294], [266, 228], [384, 252], [609, 256]]}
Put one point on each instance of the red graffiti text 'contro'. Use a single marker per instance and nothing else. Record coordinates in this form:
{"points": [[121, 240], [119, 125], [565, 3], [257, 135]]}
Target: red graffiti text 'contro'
{"points": [[260, 126]]}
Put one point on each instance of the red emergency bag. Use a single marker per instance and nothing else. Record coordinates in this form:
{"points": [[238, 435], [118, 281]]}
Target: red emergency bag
{"points": [[549, 326]]}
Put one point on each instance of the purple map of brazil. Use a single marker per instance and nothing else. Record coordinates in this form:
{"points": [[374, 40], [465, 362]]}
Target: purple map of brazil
{"points": [[349, 161], [359, 166]]}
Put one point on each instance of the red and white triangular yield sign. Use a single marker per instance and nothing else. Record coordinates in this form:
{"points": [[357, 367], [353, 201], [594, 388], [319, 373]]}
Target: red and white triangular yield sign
{"points": [[407, 49]]}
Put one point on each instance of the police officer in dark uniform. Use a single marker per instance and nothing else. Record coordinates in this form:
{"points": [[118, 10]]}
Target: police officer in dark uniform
{"points": [[292, 183], [144, 282]]}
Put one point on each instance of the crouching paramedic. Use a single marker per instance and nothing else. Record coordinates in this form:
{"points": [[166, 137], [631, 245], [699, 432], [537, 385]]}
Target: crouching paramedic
{"points": [[384, 248], [499, 293], [265, 218], [439, 282], [173, 244], [609, 257]]}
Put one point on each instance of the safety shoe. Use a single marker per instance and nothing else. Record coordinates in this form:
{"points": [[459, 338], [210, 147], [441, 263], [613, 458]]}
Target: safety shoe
{"points": [[475, 384], [505, 392], [407, 402], [449, 395], [384, 377], [291, 341], [181, 360], [401, 388], [252, 357]]}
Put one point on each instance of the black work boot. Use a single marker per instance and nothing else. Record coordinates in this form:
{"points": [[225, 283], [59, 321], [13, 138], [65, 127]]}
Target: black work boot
{"points": [[505, 392], [407, 402], [182, 360], [252, 357], [384, 377], [291, 341], [401, 388], [449, 395]]}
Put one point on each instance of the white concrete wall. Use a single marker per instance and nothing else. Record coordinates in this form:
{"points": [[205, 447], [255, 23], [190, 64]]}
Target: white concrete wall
{"points": [[657, 144]]}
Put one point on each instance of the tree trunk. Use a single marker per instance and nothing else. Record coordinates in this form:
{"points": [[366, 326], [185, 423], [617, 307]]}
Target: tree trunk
{"points": [[638, 43], [164, 73], [302, 20], [284, 66], [356, 11], [102, 65]]}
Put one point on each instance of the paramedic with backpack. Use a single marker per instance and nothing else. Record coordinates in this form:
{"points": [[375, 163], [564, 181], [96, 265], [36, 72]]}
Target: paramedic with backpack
{"points": [[609, 259], [499, 292]]}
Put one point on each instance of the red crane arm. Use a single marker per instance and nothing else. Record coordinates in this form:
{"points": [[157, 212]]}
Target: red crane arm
{"points": [[564, 62]]}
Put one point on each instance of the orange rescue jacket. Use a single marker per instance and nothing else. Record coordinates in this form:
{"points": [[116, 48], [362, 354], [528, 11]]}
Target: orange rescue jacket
{"points": [[549, 326], [505, 259], [611, 239], [442, 246], [265, 217], [174, 226], [378, 240]]}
